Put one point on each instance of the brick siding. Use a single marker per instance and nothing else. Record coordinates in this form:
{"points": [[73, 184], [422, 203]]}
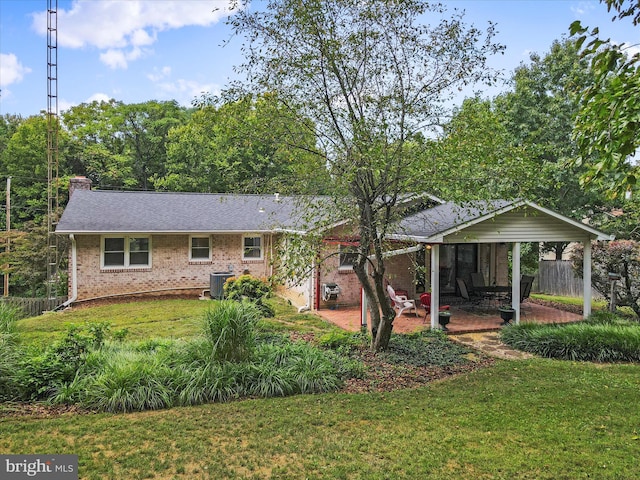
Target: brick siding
{"points": [[171, 268]]}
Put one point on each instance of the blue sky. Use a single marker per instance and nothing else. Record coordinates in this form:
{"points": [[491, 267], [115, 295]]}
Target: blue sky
{"points": [[139, 50]]}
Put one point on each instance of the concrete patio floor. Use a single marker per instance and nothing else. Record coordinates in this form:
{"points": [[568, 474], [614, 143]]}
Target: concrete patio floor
{"points": [[463, 320]]}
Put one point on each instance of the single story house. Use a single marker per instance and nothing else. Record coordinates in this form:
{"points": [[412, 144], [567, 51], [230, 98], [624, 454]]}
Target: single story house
{"points": [[133, 243]]}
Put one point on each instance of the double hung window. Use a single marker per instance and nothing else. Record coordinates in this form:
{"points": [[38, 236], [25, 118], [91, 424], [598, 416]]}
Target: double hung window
{"points": [[126, 252]]}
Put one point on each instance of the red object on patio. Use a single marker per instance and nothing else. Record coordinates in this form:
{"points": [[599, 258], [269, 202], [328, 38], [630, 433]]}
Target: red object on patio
{"points": [[425, 301]]}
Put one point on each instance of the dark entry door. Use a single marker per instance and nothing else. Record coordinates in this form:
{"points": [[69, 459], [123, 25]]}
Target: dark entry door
{"points": [[460, 260]]}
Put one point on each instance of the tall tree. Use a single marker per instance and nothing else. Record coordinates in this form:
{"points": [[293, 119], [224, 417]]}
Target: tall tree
{"points": [[371, 76], [121, 145], [608, 124], [243, 146], [540, 115], [479, 157]]}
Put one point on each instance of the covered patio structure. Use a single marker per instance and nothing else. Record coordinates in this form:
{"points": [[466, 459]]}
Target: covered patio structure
{"points": [[490, 222]]}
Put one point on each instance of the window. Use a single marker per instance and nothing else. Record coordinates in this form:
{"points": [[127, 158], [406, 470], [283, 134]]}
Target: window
{"points": [[251, 248], [348, 257], [200, 248], [125, 252]]}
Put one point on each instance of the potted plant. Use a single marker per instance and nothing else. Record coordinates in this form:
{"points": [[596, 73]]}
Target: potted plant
{"points": [[443, 319], [507, 313]]}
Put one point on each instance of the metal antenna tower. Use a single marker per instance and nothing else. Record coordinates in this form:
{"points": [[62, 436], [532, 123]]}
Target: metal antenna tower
{"points": [[52, 146]]}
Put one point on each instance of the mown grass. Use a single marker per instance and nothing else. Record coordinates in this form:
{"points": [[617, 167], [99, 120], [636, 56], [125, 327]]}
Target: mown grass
{"points": [[596, 304], [534, 419], [537, 419], [157, 319]]}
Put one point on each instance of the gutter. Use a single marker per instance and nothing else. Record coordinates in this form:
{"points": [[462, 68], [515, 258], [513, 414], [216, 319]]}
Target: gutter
{"points": [[74, 275]]}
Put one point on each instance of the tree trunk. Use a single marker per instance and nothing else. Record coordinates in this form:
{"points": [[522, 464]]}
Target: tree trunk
{"points": [[381, 340]]}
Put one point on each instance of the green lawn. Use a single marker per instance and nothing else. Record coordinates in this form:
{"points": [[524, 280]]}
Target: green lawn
{"points": [[535, 419], [154, 318]]}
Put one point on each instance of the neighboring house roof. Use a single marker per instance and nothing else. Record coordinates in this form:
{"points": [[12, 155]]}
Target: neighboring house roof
{"points": [[493, 221], [96, 211]]}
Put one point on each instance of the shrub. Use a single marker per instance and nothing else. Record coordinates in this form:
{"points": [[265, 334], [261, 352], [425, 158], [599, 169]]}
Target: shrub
{"points": [[230, 328], [42, 371], [619, 256], [253, 289]]}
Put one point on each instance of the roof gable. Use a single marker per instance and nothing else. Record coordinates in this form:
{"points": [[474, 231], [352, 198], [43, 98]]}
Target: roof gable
{"points": [[494, 221]]}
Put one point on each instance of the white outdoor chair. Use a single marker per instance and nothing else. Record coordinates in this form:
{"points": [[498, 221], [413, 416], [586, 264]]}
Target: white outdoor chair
{"points": [[400, 302]]}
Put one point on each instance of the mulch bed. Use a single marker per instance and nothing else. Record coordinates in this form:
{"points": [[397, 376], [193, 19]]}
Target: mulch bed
{"points": [[381, 376]]}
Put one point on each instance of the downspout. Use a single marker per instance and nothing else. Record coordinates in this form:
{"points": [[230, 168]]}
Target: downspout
{"points": [[74, 275]]}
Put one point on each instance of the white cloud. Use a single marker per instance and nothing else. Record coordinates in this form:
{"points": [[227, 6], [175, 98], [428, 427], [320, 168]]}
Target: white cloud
{"points": [[580, 9], [125, 26], [159, 75], [64, 105], [98, 97], [184, 91], [11, 70], [114, 58]]}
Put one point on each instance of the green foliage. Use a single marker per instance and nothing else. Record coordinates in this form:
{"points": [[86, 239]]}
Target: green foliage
{"points": [[43, 369], [340, 340], [480, 158], [607, 124], [619, 256], [121, 145], [9, 354], [230, 329], [252, 289], [428, 348], [241, 145], [603, 338], [130, 383]]}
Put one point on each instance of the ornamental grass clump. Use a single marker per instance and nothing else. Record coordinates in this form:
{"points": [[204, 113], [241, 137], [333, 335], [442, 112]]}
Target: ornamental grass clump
{"points": [[9, 353], [230, 329], [610, 341]]}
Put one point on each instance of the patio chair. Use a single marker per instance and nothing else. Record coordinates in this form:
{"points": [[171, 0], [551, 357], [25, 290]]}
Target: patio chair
{"points": [[525, 287], [472, 299], [477, 280], [425, 301], [400, 302]]}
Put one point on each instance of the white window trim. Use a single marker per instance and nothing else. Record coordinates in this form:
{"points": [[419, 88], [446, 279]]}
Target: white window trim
{"points": [[249, 235], [191, 259], [126, 253], [346, 267]]}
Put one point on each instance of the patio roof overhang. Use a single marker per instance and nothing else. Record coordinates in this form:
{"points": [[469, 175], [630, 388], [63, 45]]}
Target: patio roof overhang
{"points": [[518, 221]]}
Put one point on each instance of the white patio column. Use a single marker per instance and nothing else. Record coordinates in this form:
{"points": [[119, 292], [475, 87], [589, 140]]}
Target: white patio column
{"points": [[515, 280], [586, 279], [435, 285], [363, 309]]}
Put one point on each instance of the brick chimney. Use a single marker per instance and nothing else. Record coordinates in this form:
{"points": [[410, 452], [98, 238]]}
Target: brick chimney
{"points": [[79, 183]]}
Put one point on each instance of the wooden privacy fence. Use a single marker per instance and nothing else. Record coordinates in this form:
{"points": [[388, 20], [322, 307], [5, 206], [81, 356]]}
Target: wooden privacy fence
{"points": [[34, 306], [556, 277]]}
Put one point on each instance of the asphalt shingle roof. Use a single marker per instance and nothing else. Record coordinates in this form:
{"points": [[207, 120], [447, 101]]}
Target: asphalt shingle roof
{"points": [[96, 211], [447, 216]]}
